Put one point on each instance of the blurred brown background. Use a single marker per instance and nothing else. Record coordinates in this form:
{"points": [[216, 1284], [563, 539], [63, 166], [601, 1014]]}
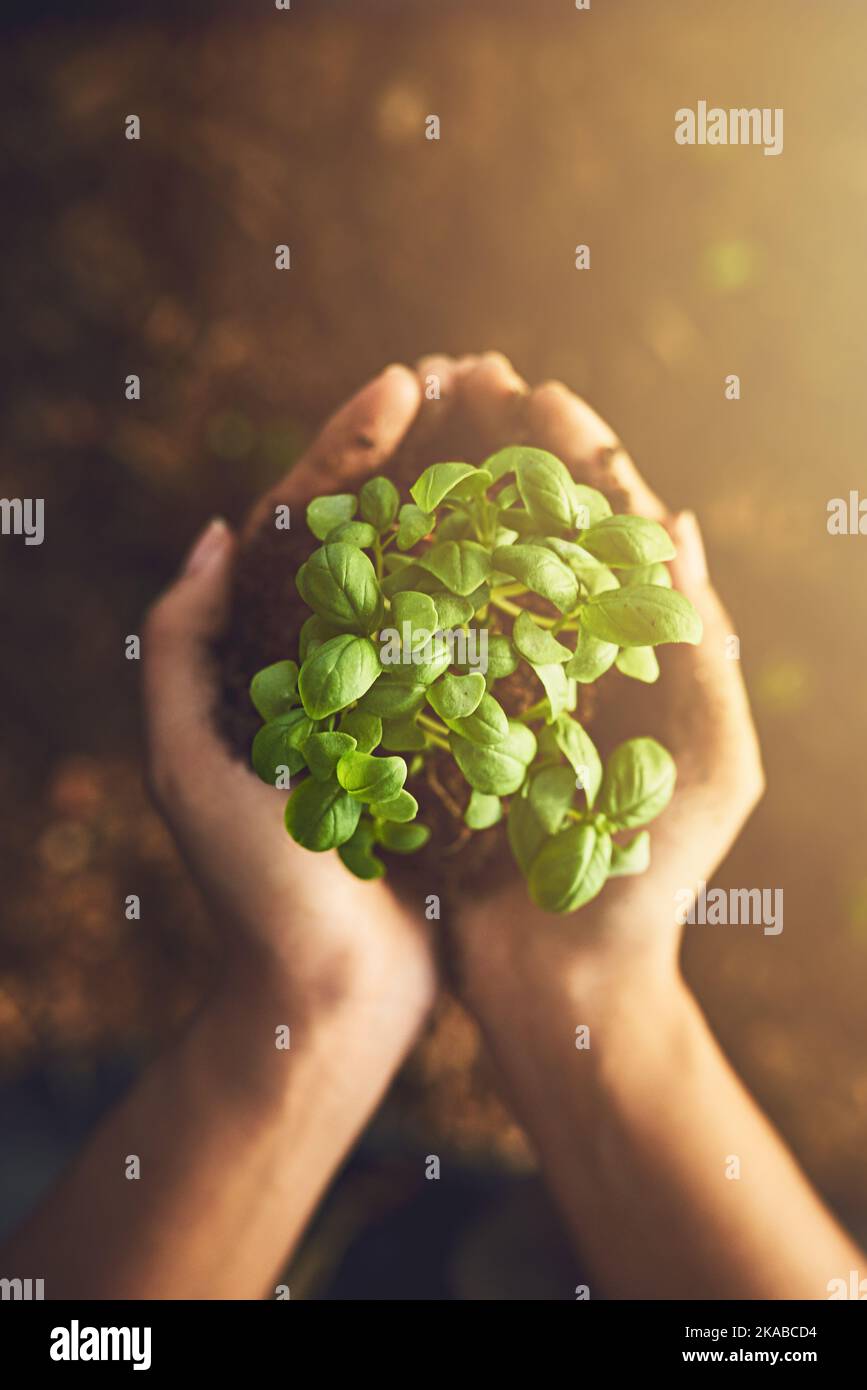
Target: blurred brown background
{"points": [[157, 257]]}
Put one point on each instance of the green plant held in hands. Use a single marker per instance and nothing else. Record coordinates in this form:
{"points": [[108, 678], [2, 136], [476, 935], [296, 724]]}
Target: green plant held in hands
{"points": [[418, 610]]}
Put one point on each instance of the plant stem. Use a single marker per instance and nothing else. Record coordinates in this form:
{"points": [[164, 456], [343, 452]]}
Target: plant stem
{"points": [[540, 707], [434, 741], [432, 726], [506, 605]]}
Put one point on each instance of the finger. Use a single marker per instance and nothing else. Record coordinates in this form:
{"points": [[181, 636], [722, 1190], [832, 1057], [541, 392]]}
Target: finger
{"points": [[437, 375], [178, 669], [568, 427], [354, 443], [493, 396], [713, 726]]}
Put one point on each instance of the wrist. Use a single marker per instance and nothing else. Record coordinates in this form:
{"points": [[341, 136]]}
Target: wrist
{"points": [[545, 964], [377, 989]]}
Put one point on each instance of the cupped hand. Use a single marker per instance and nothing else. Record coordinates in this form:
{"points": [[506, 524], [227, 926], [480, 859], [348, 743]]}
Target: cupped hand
{"points": [[301, 914], [699, 710]]}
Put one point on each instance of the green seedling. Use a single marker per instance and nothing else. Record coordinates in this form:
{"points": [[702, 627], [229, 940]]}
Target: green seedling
{"points": [[418, 611]]}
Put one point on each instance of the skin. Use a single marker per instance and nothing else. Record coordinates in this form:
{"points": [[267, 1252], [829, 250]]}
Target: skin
{"points": [[238, 1140]]}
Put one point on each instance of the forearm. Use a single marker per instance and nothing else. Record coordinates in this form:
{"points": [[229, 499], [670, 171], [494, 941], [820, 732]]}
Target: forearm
{"points": [[671, 1180], [237, 1140]]}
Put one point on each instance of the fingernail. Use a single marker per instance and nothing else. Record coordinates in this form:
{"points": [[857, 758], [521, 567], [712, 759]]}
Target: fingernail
{"points": [[690, 546], [207, 546]]}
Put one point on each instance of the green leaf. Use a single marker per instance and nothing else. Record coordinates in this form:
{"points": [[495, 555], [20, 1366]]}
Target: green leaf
{"points": [[640, 663], [549, 749], [536, 644], [483, 811], [324, 513], [525, 833], [369, 778], [402, 807], [571, 869], [455, 697], [647, 574], [642, 616], [592, 658], [379, 500], [406, 575], [496, 771], [456, 526], [314, 631], [417, 609], [420, 662], [402, 736], [595, 576], [486, 725], [502, 658], [507, 497], [547, 489], [504, 535], [339, 583], [320, 816], [441, 479], [413, 526], [460, 565], [404, 839], [633, 858], [274, 690], [628, 540], [479, 597], [541, 571], [357, 533], [453, 610], [323, 751], [366, 729], [357, 854], [552, 792], [278, 744], [525, 525], [392, 699], [338, 672], [590, 506], [472, 488], [580, 752], [638, 784], [502, 462], [556, 687]]}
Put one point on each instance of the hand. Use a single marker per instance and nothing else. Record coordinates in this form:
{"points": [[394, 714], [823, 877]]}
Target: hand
{"points": [[632, 1114], [699, 710], [299, 919]]}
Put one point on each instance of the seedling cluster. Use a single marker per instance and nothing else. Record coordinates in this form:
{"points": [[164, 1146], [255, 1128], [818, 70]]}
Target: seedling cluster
{"points": [[515, 552]]}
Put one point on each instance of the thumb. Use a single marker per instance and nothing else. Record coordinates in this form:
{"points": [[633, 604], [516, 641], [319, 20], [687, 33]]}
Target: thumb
{"points": [[713, 724], [178, 667]]}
